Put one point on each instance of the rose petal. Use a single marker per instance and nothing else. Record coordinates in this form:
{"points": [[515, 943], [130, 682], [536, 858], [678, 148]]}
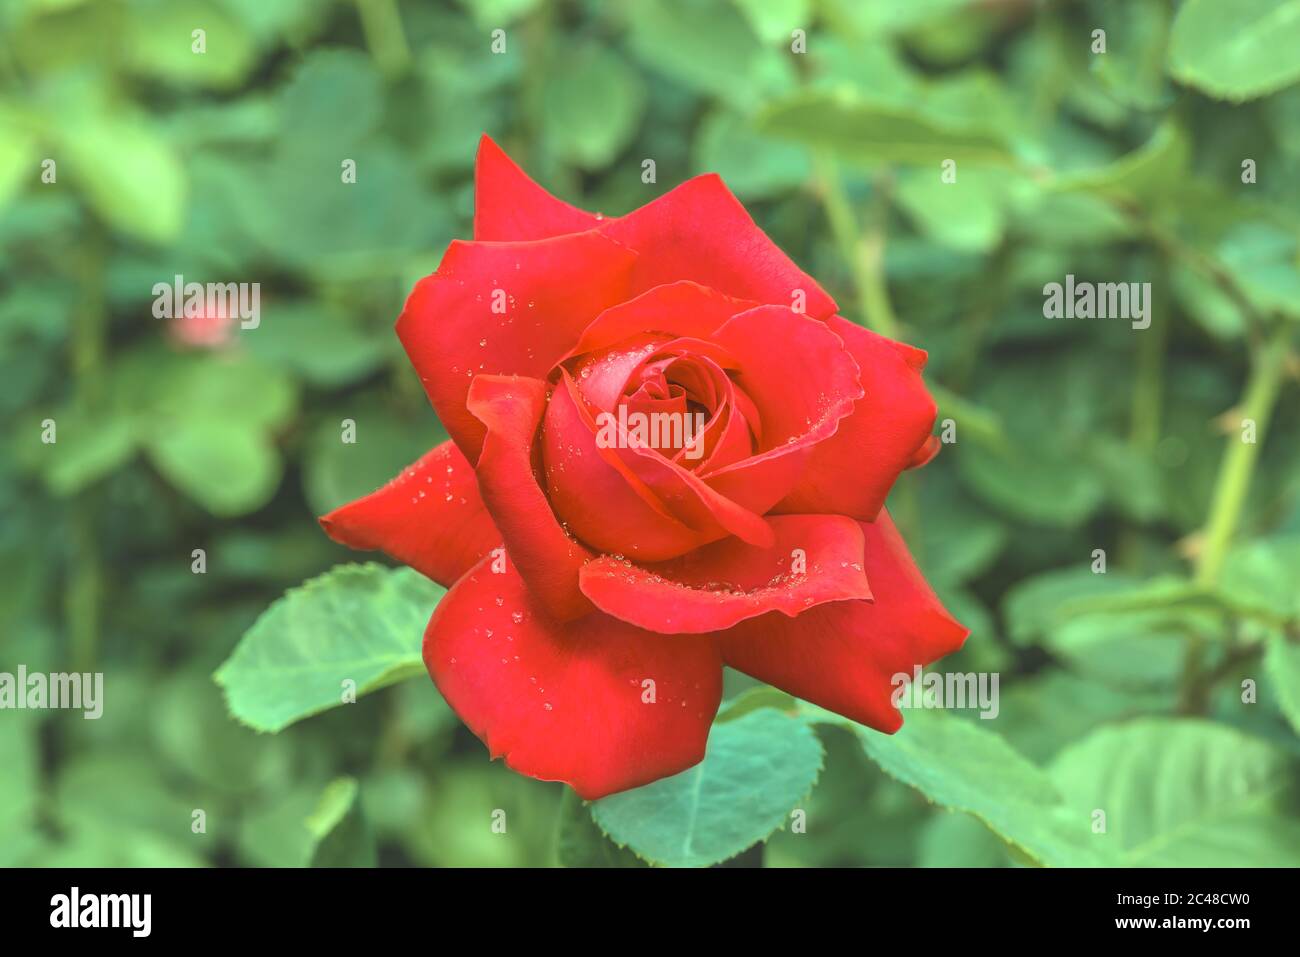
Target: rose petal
{"points": [[815, 559], [429, 517], [569, 702], [666, 484], [675, 309], [691, 500], [802, 381], [509, 206], [510, 409], [843, 655], [927, 451], [700, 231], [697, 231], [852, 472], [508, 309], [599, 497]]}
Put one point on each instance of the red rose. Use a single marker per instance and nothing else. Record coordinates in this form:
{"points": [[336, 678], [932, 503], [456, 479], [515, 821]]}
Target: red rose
{"points": [[746, 529]]}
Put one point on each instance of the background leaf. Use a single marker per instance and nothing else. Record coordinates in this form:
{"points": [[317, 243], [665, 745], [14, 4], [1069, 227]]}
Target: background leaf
{"points": [[1181, 791], [959, 765], [1236, 51], [359, 623], [757, 769], [342, 833]]}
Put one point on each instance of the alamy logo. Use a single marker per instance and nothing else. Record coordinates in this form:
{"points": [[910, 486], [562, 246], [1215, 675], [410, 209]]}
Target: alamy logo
{"points": [[59, 690], [133, 911], [952, 690], [652, 430], [196, 300], [1105, 300]]}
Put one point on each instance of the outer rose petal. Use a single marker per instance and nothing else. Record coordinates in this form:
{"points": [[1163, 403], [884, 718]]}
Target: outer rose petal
{"points": [[700, 231], [429, 517], [887, 432], [548, 559], [509, 206], [803, 383], [924, 453], [844, 655], [683, 595], [553, 289], [562, 702]]}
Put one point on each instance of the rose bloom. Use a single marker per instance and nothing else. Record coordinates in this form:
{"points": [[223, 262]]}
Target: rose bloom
{"points": [[598, 587]]}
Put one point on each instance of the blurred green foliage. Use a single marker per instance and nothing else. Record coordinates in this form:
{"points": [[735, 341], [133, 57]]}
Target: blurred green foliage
{"points": [[1119, 690]]}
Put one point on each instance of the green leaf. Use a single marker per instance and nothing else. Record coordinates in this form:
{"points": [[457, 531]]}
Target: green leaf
{"points": [[1041, 714], [1180, 792], [1265, 263], [1282, 662], [1137, 37], [497, 13], [754, 166], [275, 834], [580, 843], [961, 544], [193, 730], [20, 796], [774, 20], [129, 173], [160, 44], [1035, 474], [873, 18], [342, 350], [1043, 486], [1206, 301], [300, 209], [857, 130], [1124, 594], [1238, 50], [756, 770], [959, 840], [207, 423], [242, 388], [340, 828], [18, 155], [705, 46], [1261, 576], [960, 765], [1129, 649], [1131, 476], [88, 449], [592, 106], [357, 623], [763, 696], [335, 97], [1110, 626], [967, 214], [222, 464], [1149, 173], [116, 810]]}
